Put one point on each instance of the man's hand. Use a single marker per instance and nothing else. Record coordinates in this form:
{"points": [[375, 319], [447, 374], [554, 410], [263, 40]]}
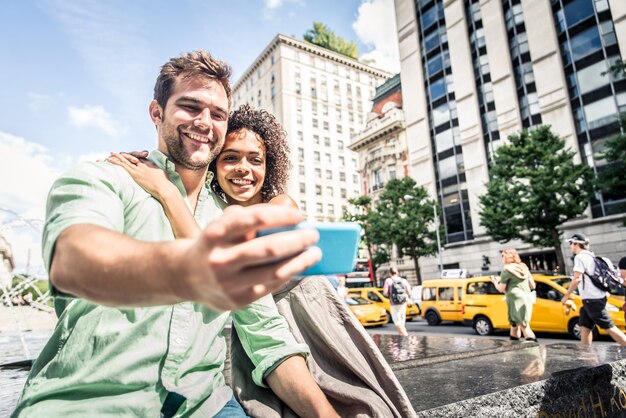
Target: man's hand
{"points": [[227, 267], [564, 299]]}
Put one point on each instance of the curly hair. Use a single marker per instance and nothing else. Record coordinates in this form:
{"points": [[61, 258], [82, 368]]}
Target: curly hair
{"points": [[274, 139]]}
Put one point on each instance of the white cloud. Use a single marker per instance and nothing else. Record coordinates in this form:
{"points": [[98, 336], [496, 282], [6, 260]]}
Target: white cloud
{"points": [[375, 26], [270, 6], [95, 117], [27, 170], [38, 101]]}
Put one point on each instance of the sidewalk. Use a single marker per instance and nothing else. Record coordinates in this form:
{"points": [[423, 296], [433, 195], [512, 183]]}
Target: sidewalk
{"points": [[25, 318]]}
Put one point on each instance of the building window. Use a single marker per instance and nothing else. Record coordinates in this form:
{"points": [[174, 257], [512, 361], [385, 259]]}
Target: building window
{"points": [[318, 173], [302, 188], [585, 43], [329, 191], [340, 144], [325, 125], [331, 209], [315, 122], [302, 170], [303, 205], [301, 153], [327, 157], [316, 139], [342, 176], [392, 172], [300, 136], [319, 208], [316, 156], [339, 129], [329, 175], [318, 190], [342, 161], [327, 141], [299, 119], [344, 194]]}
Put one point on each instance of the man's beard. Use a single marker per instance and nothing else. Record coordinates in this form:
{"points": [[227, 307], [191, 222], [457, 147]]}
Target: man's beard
{"points": [[179, 155]]}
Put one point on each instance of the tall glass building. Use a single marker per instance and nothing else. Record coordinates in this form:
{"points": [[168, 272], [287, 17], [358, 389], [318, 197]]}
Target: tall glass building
{"points": [[475, 71]]}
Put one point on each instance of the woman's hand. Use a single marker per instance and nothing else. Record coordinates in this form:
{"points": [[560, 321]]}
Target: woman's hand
{"points": [[150, 177]]}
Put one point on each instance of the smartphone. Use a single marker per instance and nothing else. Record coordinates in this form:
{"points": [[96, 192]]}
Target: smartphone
{"points": [[339, 242]]}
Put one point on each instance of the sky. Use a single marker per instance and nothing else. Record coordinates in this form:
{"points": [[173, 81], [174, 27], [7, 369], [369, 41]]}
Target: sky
{"points": [[78, 77]]}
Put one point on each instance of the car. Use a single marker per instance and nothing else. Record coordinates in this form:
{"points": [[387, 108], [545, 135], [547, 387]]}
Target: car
{"points": [[441, 300], [485, 309], [375, 295], [368, 314]]}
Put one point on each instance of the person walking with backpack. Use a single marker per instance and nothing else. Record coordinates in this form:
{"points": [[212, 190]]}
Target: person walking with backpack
{"points": [[593, 273], [397, 289]]}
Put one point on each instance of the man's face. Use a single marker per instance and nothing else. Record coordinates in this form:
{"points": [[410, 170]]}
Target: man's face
{"points": [[193, 124], [574, 248]]}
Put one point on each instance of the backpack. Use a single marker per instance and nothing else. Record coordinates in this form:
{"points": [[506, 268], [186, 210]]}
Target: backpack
{"points": [[604, 276], [398, 292]]}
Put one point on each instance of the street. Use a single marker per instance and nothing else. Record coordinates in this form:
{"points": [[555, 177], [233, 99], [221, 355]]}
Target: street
{"points": [[419, 327]]}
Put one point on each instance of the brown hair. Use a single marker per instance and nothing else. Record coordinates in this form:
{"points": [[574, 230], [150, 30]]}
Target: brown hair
{"points": [[191, 64], [510, 255], [274, 139]]}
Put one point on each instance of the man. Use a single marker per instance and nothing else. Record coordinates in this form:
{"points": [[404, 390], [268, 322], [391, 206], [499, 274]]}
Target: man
{"points": [[141, 333], [622, 267], [594, 310], [398, 286]]}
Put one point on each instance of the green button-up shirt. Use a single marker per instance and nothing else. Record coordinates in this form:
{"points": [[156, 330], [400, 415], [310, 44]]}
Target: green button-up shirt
{"points": [[103, 361]]}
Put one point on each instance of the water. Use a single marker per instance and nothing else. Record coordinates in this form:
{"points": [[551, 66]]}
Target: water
{"points": [[12, 378]]}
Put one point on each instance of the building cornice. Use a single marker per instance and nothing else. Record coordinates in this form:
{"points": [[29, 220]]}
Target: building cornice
{"points": [[311, 49], [391, 123]]}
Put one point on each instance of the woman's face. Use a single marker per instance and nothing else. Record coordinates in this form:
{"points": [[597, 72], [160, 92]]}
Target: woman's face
{"points": [[241, 168]]}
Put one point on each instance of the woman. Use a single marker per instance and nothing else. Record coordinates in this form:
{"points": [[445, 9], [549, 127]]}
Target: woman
{"points": [[252, 168], [517, 282]]}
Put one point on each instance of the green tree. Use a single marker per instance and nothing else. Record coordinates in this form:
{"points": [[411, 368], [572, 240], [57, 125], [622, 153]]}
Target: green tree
{"points": [[534, 187], [321, 35], [611, 179], [404, 217], [618, 69], [358, 212]]}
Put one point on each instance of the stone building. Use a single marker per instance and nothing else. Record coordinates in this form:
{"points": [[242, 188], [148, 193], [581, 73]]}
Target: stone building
{"points": [[322, 99], [474, 72]]}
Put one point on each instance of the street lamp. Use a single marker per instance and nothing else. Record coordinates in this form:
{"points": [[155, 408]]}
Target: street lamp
{"points": [[409, 197]]}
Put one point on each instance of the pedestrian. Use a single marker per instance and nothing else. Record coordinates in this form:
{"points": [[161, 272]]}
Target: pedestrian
{"points": [[141, 315], [253, 168], [398, 290], [517, 282], [593, 311], [342, 290], [622, 267]]}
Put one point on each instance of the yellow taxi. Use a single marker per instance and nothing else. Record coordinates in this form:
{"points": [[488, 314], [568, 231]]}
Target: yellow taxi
{"points": [[485, 309], [441, 300], [368, 314], [375, 295]]}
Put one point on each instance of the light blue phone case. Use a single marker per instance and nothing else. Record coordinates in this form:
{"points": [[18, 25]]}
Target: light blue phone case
{"points": [[338, 241]]}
